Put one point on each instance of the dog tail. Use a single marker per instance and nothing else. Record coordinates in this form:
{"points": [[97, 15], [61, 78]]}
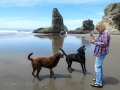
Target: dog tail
{"points": [[63, 52], [31, 59]]}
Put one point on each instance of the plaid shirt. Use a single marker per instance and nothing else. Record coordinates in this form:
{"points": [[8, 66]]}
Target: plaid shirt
{"points": [[102, 43]]}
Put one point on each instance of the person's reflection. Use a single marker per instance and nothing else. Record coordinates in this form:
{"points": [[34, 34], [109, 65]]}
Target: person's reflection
{"points": [[83, 40], [57, 41]]}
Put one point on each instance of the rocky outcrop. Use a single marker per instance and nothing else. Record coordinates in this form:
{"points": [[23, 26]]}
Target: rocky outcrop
{"points": [[57, 21], [57, 24], [111, 19], [87, 27], [42, 30]]}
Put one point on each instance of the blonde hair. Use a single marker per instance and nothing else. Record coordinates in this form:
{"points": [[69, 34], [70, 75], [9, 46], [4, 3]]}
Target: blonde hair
{"points": [[100, 26]]}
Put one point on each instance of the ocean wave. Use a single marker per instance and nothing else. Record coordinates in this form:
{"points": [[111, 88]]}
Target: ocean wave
{"points": [[9, 32]]}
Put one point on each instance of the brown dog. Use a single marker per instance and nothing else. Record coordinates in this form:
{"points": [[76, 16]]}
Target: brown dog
{"points": [[47, 62]]}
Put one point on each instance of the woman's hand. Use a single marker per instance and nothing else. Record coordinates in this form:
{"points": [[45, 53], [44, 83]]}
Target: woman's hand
{"points": [[92, 41], [93, 37]]}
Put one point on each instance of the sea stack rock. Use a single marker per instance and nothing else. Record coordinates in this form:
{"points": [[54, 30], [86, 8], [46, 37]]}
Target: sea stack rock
{"points": [[57, 21], [57, 24], [87, 27], [111, 19]]}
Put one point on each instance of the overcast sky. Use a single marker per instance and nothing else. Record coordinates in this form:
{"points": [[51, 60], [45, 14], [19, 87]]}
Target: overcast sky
{"points": [[38, 13]]}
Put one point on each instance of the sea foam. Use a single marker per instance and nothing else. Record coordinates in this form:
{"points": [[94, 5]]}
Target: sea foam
{"points": [[9, 32]]}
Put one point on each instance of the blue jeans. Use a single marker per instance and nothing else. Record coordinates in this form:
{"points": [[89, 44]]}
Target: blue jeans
{"points": [[99, 69]]}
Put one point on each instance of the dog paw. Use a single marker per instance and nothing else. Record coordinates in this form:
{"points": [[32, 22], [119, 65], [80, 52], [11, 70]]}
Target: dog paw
{"points": [[50, 76], [39, 79], [54, 77], [70, 70]]}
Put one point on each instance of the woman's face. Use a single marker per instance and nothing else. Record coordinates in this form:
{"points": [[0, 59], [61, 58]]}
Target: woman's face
{"points": [[99, 30]]}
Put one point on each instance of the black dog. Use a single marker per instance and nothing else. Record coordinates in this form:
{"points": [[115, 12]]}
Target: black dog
{"points": [[78, 57]]}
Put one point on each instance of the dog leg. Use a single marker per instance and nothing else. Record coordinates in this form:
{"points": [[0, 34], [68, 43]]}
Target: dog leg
{"points": [[37, 74], [34, 69], [83, 69], [69, 65], [52, 74], [33, 73]]}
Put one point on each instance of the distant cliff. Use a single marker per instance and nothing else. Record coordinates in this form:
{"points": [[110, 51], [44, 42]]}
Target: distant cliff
{"points": [[57, 24], [111, 19]]}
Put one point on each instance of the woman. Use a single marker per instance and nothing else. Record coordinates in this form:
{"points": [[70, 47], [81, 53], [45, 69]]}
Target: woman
{"points": [[100, 51]]}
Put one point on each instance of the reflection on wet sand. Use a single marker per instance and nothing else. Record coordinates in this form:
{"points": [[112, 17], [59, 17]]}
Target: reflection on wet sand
{"points": [[57, 41], [50, 85], [72, 84], [84, 41]]}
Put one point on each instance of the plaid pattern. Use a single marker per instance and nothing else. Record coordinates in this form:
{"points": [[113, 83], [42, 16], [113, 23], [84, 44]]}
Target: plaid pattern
{"points": [[102, 43]]}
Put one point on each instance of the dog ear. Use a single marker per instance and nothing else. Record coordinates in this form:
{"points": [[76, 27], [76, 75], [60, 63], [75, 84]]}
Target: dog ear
{"points": [[57, 54]]}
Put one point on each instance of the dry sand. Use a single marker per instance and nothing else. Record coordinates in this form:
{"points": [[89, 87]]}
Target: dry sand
{"points": [[17, 75]]}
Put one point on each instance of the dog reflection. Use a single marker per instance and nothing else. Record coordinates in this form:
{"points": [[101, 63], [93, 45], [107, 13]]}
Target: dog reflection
{"points": [[45, 85]]}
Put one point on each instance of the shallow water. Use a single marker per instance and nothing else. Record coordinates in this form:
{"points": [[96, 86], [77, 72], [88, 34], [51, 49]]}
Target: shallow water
{"points": [[15, 68], [40, 44]]}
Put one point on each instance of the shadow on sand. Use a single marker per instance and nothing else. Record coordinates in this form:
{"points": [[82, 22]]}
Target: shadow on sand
{"points": [[111, 81], [47, 76], [80, 71]]}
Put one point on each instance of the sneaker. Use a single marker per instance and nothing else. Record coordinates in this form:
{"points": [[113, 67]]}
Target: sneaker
{"points": [[96, 85], [94, 79]]}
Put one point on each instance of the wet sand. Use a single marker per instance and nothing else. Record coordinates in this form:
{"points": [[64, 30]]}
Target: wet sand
{"points": [[15, 71]]}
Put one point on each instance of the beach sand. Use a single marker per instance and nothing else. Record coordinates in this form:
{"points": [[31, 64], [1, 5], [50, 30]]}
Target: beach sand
{"points": [[16, 74]]}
